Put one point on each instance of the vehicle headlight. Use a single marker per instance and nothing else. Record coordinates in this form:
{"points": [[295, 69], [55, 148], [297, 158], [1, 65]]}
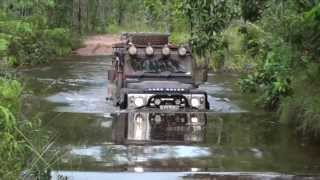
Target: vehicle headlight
{"points": [[149, 51], [166, 50], [194, 120], [139, 118], [132, 50], [182, 51], [195, 102], [158, 119], [157, 102], [177, 101], [139, 101]]}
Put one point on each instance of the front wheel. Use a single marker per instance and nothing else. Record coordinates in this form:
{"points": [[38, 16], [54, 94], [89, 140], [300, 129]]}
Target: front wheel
{"points": [[207, 105], [124, 104]]}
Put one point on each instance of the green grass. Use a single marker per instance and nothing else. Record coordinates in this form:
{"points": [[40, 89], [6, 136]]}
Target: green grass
{"points": [[179, 38], [302, 109], [241, 46], [24, 145]]}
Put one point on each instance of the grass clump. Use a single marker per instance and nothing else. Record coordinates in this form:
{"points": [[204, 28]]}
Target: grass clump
{"points": [[179, 38], [23, 144], [243, 45], [302, 109]]}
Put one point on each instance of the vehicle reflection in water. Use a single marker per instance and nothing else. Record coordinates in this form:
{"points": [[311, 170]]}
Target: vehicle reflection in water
{"points": [[141, 140], [159, 128]]}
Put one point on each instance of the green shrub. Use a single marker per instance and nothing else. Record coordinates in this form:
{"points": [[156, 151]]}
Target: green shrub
{"points": [[288, 70], [60, 41], [233, 56], [10, 92], [113, 29], [39, 46], [3, 47], [29, 48], [243, 46], [30, 41], [272, 77], [10, 147], [302, 109], [179, 38], [22, 141]]}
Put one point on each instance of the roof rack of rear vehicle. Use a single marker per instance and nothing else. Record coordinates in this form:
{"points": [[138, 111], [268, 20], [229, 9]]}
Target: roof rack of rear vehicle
{"points": [[152, 39], [142, 40]]}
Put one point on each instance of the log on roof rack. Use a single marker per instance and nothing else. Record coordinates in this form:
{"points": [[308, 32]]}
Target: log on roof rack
{"points": [[146, 38]]}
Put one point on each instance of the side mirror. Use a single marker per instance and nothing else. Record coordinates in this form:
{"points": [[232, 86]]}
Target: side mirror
{"points": [[111, 75]]}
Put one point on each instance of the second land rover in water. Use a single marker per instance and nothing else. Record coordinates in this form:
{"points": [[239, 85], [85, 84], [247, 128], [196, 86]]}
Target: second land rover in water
{"points": [[149, 72]]}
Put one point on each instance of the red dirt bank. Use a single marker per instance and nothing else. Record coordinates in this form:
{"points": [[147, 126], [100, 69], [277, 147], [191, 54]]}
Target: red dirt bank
{"points": [[98, 45]]}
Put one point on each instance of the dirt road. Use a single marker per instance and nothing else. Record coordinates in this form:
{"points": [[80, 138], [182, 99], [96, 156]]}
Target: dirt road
{"points": [[98, 45]]}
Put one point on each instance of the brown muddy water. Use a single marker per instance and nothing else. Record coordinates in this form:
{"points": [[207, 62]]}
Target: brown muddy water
{"points": [[235, 140]]}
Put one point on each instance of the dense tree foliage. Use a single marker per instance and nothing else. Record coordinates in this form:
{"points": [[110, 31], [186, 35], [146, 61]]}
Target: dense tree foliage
{"points": [[252, 10], [288, 62], [25, 34], [207, 21]]}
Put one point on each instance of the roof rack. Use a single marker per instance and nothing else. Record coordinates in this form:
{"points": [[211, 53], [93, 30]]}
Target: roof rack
{"points": [[146, 38]]}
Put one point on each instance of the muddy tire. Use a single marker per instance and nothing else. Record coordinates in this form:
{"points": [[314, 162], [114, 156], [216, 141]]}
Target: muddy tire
{"points": [[124, 104], [207, 105]]}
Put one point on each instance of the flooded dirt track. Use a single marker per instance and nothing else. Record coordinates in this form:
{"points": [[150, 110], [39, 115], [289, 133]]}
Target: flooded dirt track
{"points": [[97, 139]]}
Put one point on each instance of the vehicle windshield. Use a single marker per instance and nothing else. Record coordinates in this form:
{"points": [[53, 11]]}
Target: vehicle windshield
{"points": [[163, 65]]}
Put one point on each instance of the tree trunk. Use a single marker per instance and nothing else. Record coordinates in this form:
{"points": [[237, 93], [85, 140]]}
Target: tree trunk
{"points": [[206, 69], [121, 9], [84, 15], [76, 23]]}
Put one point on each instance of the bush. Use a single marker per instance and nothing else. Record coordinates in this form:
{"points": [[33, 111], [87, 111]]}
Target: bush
{"points": [[22, 142], [30, 42], [272, 77], [243, 45], [10, 147], [10, 92], [113, 29], [179, 38], [288, 71], [302, 109], [28, 48], [59, 40], [39, 46], [3, 47]]}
